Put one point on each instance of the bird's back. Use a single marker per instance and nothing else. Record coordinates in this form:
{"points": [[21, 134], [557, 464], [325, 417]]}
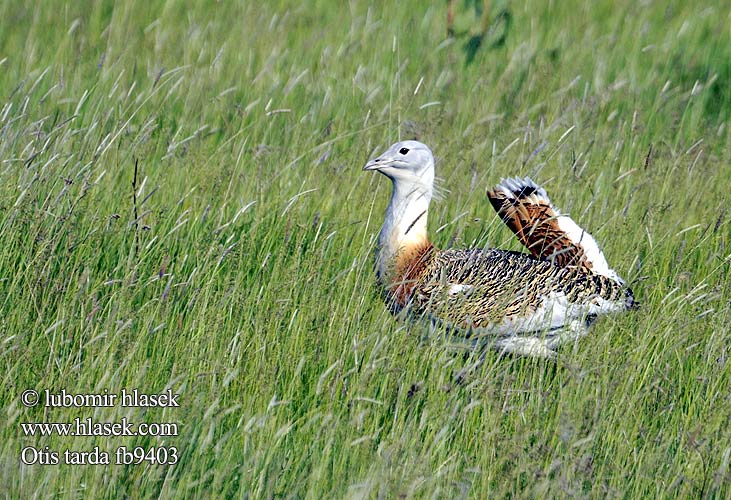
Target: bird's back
{"points": [[510, 292]]}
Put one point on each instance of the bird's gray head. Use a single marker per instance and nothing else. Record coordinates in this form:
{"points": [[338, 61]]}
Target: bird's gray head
{"points": [[409, 165]]}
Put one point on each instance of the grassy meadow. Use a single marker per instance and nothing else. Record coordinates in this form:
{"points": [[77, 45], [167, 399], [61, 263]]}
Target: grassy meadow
{"points": [[182, 207]]}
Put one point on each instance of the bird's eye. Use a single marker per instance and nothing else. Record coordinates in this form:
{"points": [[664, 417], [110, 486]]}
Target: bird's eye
{"points": [[403, 151]]}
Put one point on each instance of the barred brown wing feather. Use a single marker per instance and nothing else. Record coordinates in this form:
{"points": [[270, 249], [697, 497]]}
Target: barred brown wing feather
{"points": [[473, 289]]}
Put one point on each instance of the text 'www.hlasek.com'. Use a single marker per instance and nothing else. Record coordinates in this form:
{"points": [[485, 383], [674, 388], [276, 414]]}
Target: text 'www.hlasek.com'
{"points": [[89, 426]]}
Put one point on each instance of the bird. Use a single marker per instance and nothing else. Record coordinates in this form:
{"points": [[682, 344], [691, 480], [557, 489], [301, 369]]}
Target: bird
{"points": [[527, 304]]}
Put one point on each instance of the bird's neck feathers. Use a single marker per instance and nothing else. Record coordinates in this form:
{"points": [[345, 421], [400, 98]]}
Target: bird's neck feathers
{"points": [[403, 236]]}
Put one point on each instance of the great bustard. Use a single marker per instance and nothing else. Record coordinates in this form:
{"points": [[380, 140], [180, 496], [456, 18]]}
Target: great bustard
{"points": [[525, 304]]}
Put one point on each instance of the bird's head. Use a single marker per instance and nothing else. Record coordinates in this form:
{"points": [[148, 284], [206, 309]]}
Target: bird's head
{"points": [[409, 165]]}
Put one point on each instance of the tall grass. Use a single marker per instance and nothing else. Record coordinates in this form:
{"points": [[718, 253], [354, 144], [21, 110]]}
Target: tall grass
{"points": [[236, 267]]}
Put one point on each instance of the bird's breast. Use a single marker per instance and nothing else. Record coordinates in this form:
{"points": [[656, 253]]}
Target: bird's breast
{"points": [[408, 268]]}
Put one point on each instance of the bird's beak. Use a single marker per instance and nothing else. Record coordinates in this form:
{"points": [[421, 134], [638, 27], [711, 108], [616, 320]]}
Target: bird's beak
{"points": [[377, 163]]}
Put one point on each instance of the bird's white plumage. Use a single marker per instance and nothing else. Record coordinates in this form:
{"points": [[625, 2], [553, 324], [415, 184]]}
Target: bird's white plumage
{"points": [[586, 241], [459, 288]]}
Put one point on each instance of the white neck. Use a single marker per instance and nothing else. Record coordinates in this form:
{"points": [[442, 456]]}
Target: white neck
{"points": [[405, 224]]}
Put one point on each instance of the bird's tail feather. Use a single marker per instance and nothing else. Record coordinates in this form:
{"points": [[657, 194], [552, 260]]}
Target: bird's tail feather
{"points": [[548, 234]]}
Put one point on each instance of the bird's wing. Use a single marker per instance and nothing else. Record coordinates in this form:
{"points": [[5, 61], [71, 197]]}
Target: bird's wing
{"points": [[543, 230], [503, 292]]}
